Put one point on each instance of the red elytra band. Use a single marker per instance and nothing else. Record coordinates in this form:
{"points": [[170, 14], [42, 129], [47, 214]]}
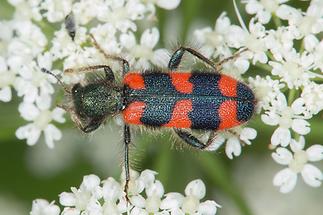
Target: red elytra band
{"points": [[180, 114]]}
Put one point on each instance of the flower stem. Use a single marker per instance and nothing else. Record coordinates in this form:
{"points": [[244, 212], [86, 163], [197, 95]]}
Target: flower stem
{"points": [[265, 67], [291, 96], [277, 21]]}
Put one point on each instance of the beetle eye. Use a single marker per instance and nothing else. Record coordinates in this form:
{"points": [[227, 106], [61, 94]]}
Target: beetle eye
{"points": [[75, 88]]}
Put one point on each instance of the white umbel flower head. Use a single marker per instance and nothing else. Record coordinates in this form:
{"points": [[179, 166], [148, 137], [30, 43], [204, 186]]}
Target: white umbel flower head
{"points": [[143, 54], [41, 117], [263, 9], [108, 197], [216, 42], [297, 162], [43, 207], [7, 80], [286, 117], [234, 139]]}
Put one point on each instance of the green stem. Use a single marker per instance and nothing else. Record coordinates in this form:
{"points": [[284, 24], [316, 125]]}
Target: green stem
{"points": [[217, 172], [265, 67], [291, 96], [277, 21]]}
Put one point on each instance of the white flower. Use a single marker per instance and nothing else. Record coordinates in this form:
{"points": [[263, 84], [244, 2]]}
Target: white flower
{"points": [[29, 42], [265, 89], [56, 10], [293, 69], [8, 79], [281, 41], [312, 98], [308, 23], [121, 14], [143, 54], [108, 198], [234, 138], [254, 40], [26, 10], [286, 117], [166, 4], [216, 42], [85, 197], [43, 207], [263, 8], [298, 163], [34, 83], [195, 191], [41, 117]]}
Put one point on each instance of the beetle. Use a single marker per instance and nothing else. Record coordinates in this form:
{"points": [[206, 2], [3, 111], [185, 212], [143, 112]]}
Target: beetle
{"points": [[203, 100]]}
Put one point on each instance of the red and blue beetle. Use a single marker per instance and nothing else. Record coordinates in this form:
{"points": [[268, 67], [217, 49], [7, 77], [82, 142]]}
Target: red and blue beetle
{"points": [[203, 100]]}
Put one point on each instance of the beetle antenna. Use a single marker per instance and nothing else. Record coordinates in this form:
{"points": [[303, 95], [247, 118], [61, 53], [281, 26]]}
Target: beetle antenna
{"points": [[57, 78]]}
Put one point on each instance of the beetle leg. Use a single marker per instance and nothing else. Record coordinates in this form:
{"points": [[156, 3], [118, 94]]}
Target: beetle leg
{"points": [[109, 76], [176, 58], [127, 141], [234, 56], [124, 63], [92, 125], [190, 139]]}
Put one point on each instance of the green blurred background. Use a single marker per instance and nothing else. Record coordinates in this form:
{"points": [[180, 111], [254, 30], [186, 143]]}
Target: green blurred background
{"points": [[241, 186]]}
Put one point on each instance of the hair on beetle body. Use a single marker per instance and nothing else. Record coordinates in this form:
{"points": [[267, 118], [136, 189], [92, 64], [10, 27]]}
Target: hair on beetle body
{"points": [[181, 101]]}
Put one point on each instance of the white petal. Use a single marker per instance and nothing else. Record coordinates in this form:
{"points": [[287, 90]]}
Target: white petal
{"points": [[148, 177], [172, 201], [264, 17], [29, 132], [312, 175], [31, 93], [128, 40], [248, 134], [270, 119], [216, 143], [51, 134], [67, 199], [281, 136], [71, 211], [5, 94], [150, 37], [90, 182], [301, 126], [298, 106], [138, 211], [111, 190], [138, 201], [315, 153], [28, 111], [310, 42], [58, 115], [282, 156], [42, 207], [297, 145], [195, 188], [155, 189], [233, 147], [285, 179], [208, 207], [168, 4], [43, 102], [161, 57]]}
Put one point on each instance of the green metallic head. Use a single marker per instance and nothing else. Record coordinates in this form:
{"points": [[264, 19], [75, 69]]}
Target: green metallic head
{"points": [[94, 102]]}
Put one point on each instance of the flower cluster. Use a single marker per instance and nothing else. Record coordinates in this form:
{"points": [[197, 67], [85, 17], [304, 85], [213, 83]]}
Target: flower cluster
{"points": [[25, 49], [288, 90], [146, 196]]}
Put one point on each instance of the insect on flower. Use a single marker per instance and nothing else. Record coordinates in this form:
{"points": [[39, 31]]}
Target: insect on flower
{"points": [[204, 100], [70, 25]]}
